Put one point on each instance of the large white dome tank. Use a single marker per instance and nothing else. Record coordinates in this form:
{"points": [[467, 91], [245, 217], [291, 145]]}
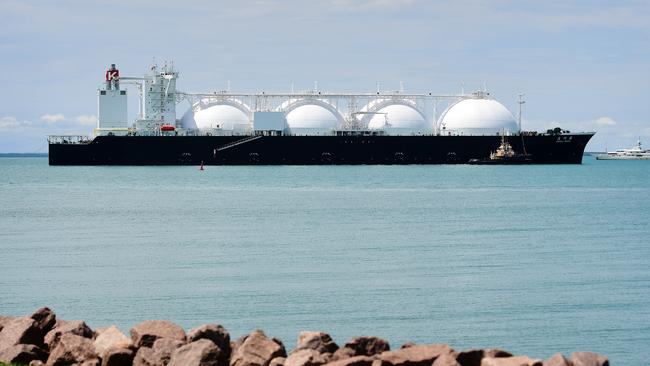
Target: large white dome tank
{"points": [[221, 116], [311, 119], [477, 116], [399, 117]]}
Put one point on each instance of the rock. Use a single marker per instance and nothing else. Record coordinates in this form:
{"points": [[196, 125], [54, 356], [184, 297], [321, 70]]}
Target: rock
{"points": [[419, 355], [257, 350], [354, 361], [73, 349], [217, 334], [318, 341], [202, 352], [146, 333], [362, 346], [446, 360], [118, 357], [20, 331], [45, 319], [76, 327], [36, 363], [589, 359], [111, 338], [305, 357], [4, 320], [473, 357], [158, 355], [22, 354], [557, 360], [511, 361], [408, 344], [278, 361]]}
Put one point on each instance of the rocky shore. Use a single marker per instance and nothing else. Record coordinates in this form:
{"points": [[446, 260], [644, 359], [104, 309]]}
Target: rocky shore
{"points": [[42, 339]]}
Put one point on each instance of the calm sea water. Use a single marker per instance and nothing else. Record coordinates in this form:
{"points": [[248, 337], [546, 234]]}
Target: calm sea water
{"points": [[533, 259]]}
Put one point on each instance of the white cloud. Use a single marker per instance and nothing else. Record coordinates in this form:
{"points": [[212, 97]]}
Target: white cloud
{"points": [[52, 118], [86, 120], [605, 121]]}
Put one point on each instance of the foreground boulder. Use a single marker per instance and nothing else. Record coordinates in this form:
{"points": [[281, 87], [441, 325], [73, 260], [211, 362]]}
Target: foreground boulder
{"points": [[217, 334], [446, 360], [511, 361], [354, 361], [111, 338], [147, 332], [20, 331], [307, 357], [589, 359], [257, 350], [318, 341], [557, 360], [76, 327], [73, 349], [117, 357], [362, 346], [419, 355], [45, 319], [199, 353], [159, 354], [473, 357], [22, 354]]}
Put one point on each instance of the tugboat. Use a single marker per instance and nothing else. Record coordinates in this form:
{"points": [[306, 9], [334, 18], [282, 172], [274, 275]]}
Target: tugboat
{"points": [[504, 155]]}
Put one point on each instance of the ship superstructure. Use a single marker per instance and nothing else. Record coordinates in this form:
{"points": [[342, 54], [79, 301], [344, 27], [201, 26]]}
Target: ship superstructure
{"points": [[309, 127]]}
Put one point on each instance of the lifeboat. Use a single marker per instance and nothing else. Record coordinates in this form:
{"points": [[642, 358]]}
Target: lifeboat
{"points": [[167, 128]]}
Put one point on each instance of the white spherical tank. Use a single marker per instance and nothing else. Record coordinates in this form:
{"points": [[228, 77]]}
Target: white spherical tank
{"points": [[398, 116], [311, 116], [220, 116], [477, 117]]}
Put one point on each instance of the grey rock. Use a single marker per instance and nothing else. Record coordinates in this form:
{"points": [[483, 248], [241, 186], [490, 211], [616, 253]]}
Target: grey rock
{"points": [[217, 334], [22, 354], [45, 319], [147, 332], [73, 349], [318, 341], [202, 352], [257, 350], [158, 355], [589, 359]]}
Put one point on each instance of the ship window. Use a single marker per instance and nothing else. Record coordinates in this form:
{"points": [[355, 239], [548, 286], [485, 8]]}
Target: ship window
{"points": [[122, 92], [103, 92]]}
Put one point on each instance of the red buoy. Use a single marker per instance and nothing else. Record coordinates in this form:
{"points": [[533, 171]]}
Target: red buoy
{"points": [[167, 128]]}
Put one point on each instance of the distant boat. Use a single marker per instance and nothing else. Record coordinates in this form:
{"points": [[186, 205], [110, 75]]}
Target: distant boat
{"points": [[503, 155], [635, 153]]}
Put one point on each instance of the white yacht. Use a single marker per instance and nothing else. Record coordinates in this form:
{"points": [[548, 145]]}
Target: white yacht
{"points": [[635, 153]]}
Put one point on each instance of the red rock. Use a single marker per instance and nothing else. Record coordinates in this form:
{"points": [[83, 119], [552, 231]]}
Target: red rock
{"points": [[118, 357], [158, 355], [146, 333], [45, 319], [305, 357], [257, 350], [446, 360], [76, 327], [73, 349], [22, 354], [202, 352], [20, 331], [420, 355], [589, 359], [354, 361], [557, 360], [362, 346], [318, 341], [511, 361], [473, 357], [217, 334]]}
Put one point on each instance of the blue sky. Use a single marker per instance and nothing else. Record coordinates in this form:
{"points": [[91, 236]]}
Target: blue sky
{"points": [[583, 65]]}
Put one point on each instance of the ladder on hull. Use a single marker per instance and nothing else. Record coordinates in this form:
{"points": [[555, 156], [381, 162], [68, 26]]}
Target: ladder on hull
{"points": [[238, 142]]}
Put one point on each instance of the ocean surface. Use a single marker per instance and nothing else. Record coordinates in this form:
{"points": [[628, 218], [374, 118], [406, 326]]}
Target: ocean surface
{"points": [[532, 259]]}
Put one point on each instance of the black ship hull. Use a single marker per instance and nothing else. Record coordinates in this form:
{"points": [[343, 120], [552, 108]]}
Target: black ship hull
{"points": [[311, 150]]}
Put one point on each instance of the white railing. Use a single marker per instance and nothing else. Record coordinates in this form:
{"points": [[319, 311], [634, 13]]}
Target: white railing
{"points": [[68, 139]]}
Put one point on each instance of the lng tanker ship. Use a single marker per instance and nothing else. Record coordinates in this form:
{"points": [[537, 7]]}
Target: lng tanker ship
{"points": [[311, 127]]}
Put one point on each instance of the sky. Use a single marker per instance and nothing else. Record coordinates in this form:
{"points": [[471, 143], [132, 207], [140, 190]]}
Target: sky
{"points": [[582, 65]]}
